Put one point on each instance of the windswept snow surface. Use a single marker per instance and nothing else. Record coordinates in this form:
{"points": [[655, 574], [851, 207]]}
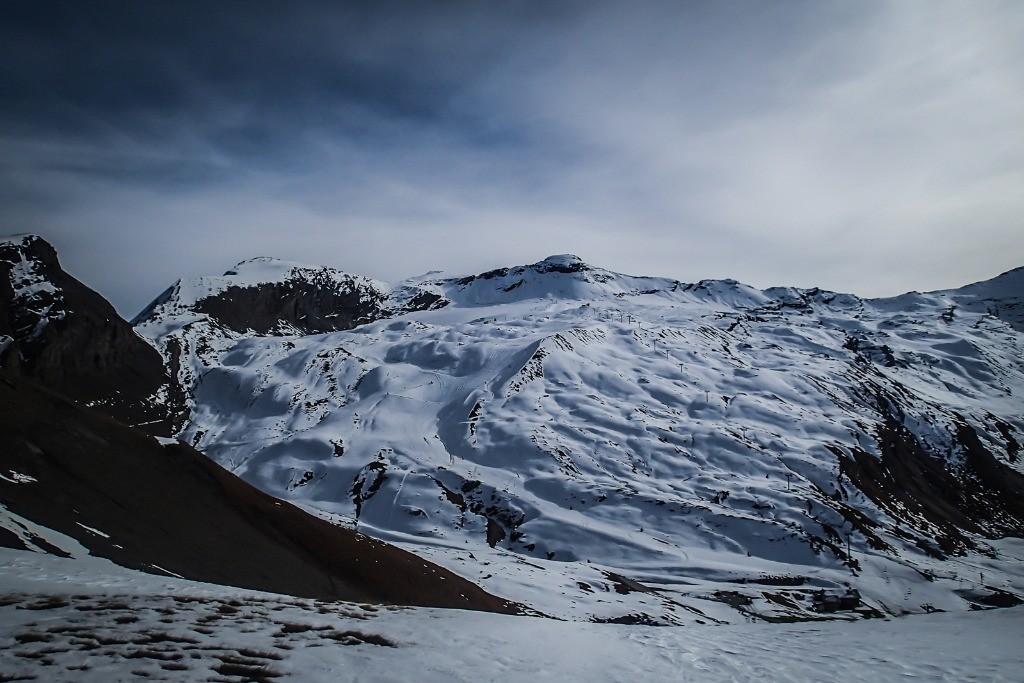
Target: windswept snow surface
{"points": [[87, 620], [551, 430]]}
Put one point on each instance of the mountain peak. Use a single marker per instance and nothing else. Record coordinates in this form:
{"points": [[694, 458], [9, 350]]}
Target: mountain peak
{"points": [[22, 238], [271, 296], [32, 247], [561, 263], [565, 259], [272, 269], [255, 263]]}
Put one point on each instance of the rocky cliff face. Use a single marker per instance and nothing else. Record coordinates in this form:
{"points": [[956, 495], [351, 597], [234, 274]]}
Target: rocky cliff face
{"points": [[267, 296], [68, 338]]}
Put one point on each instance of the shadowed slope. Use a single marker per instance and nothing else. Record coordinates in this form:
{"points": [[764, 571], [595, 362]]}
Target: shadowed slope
{"points": [[70, 339], [169, 509]]}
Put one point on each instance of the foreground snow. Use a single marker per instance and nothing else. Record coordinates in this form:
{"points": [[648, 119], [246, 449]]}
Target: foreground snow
{"points": [[87, 620]]}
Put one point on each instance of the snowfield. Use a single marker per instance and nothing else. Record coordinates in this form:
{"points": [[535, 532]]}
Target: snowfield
{"points": [[88, 620], [604, 446]]}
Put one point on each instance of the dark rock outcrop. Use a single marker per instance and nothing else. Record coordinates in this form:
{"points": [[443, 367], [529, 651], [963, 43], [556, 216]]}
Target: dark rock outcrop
{"points": [[305, 306], [304, 300], [70, 339], [951, 505]]}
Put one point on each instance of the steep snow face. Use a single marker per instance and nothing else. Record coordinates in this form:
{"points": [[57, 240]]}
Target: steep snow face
{"points": [[554, 428], [1002, 297], [198, 319]]}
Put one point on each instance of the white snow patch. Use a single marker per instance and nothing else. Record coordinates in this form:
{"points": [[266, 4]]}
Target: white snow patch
{"points": [[97, 532], [18, 478]]}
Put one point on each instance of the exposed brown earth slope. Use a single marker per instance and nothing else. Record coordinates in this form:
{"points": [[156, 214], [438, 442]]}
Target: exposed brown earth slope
{"points": [[170, 508]]}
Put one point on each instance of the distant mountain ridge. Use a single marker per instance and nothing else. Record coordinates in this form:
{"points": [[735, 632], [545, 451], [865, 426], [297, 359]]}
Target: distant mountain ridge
{"points": [[1002, 297], [269, 296], [293, 298]]}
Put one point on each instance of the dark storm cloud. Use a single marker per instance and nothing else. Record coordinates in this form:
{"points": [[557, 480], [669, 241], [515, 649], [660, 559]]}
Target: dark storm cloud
{"points": [[250, 80], [873, 147]]}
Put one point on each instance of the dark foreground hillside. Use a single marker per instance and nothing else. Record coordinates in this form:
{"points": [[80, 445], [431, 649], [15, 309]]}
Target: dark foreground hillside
{"points": [[168, 509]]}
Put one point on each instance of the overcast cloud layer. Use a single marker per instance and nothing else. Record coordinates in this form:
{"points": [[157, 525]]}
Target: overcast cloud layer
{"points": [[870, 147]]}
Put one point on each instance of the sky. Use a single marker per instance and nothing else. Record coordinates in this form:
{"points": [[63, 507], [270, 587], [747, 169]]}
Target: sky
{"points": [[859, 146]]}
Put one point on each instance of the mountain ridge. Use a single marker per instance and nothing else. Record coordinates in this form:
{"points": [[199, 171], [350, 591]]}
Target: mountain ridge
{"points": [[511, 278], [560, 433], [560, 412]]}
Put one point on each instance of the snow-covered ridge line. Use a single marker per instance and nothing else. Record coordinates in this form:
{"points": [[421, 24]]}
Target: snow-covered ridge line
{"points": [[263, 270], [564, 277]]}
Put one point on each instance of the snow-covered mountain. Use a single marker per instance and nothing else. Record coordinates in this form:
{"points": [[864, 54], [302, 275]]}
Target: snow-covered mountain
{"points": [[627, 448]]}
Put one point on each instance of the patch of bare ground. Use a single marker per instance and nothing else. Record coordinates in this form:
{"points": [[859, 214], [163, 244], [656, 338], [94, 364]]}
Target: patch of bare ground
{"points": [[39, 657], [290, 628], [149, 653], [258, 654], [358, 638], [49, 602], [104, 606], [247, 672], [150, 637]]}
